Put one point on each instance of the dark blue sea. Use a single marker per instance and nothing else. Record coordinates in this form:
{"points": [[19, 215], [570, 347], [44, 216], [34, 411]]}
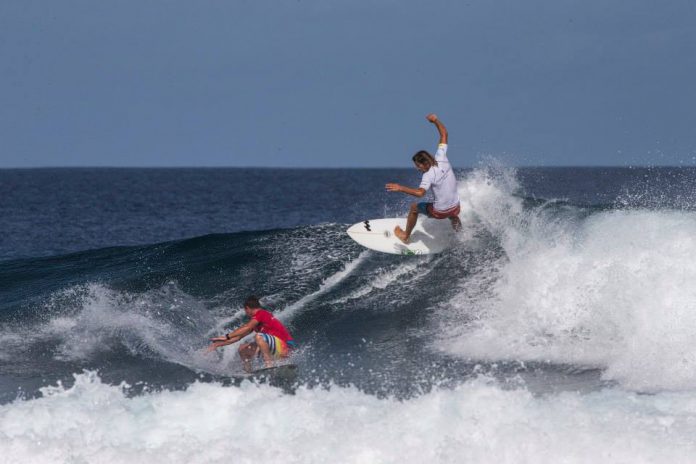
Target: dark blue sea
{"points": [[560, 328]]}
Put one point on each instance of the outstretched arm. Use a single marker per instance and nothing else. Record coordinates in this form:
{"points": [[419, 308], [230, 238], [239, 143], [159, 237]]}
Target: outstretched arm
{"points": [[417, 192], [432, 117], [234, 336]]}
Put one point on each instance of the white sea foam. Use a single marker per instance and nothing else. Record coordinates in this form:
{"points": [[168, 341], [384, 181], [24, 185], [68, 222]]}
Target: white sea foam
{"points": [[477, 422], [163, 323], [614, 290]]}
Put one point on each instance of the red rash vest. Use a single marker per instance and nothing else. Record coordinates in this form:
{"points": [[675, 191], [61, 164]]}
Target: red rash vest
{"points": [[270, 325]]}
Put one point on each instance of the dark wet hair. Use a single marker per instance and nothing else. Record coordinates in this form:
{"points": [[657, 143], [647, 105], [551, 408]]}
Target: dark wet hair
{"points": [[423, 157], [252, 301]]}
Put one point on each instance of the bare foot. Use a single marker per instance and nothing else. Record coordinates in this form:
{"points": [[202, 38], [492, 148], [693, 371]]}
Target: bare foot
{"points": [[401, 234]]}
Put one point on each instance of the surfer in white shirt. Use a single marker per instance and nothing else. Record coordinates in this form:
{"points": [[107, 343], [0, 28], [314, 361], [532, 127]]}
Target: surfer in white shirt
{"points": [[438, 174]]}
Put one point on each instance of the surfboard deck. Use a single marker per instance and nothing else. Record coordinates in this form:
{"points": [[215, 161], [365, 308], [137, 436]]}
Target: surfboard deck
{"points": [[429, 236]]}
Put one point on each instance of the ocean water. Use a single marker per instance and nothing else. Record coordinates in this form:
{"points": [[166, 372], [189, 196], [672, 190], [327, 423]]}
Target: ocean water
{"points": [[561, 328]]}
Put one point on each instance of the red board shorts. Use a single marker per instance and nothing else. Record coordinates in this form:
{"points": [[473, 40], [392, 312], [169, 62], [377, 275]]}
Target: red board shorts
{"points": [[427, 209], [279, 348]]}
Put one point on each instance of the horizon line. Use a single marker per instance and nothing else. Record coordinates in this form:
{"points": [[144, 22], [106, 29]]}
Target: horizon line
{"points": [[554, 166]]}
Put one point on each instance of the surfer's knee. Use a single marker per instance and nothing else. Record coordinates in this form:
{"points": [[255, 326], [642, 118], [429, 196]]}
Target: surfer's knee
{"points": [[246, 349], [414, 208]]}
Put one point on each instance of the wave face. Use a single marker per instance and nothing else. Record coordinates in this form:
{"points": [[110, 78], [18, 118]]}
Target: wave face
{"points": [[355, 314], [558, 306]]}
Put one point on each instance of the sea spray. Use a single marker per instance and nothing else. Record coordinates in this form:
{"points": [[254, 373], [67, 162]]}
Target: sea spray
{"points": [[610, 290]]}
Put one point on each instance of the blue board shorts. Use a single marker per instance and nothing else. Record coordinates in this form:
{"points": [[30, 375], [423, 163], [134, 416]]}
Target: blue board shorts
{"points": [[279, 348]]}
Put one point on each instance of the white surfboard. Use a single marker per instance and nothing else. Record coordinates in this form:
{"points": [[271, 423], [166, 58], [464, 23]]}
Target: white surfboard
{"points": [[429, 236]]}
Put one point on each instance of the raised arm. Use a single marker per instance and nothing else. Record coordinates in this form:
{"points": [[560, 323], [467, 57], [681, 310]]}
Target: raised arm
{"points": [[432, 117]]}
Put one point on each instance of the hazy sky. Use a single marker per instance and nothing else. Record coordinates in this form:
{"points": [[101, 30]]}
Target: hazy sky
{"points": [[346, 83]]}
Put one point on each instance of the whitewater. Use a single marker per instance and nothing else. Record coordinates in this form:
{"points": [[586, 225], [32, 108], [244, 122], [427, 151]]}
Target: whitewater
{"points": [[557, 330], [475, 422]]}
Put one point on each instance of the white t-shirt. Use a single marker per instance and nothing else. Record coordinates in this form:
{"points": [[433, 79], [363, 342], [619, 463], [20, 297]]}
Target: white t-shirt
{"points": [[441, 179]]}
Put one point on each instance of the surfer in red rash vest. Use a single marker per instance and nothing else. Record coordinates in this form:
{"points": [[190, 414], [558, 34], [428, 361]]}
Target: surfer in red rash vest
{"points": [[272, 340]]}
